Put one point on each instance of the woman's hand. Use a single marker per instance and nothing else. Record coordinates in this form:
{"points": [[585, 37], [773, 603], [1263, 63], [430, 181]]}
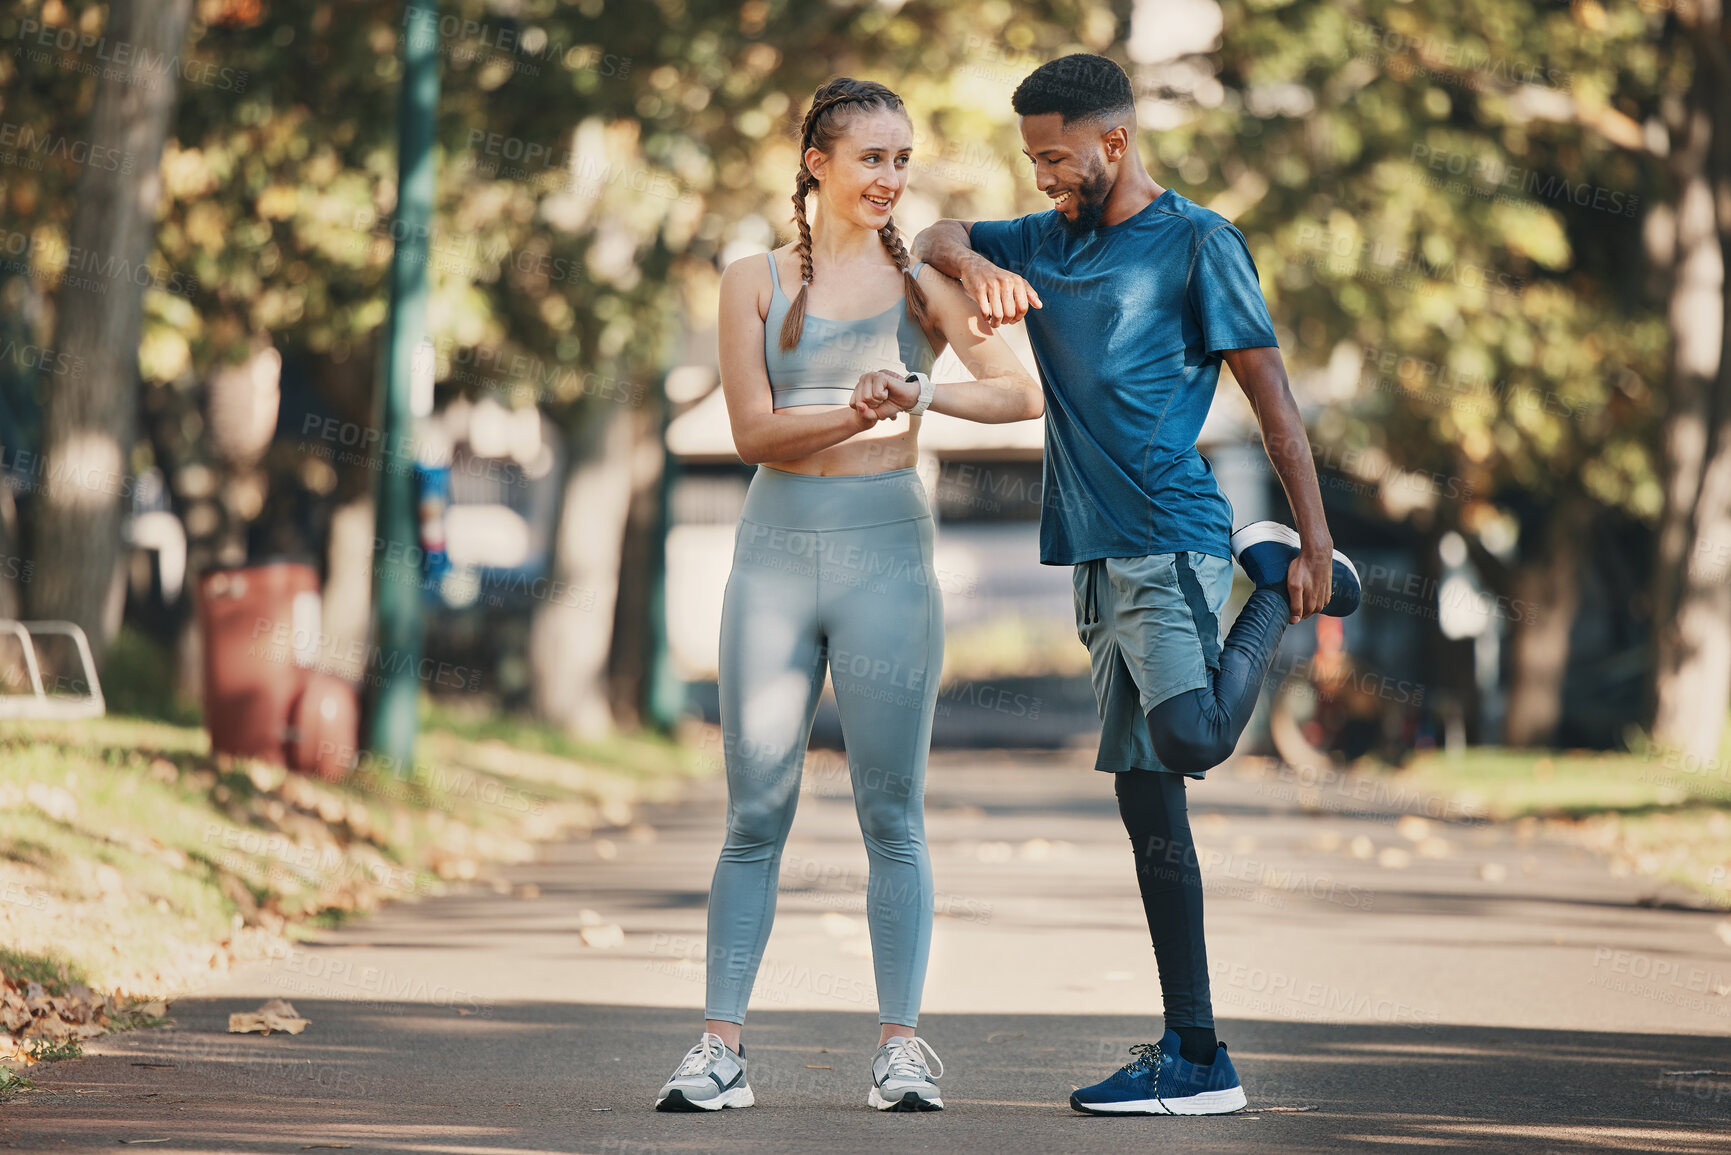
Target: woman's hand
{"points": [[882, 395]]}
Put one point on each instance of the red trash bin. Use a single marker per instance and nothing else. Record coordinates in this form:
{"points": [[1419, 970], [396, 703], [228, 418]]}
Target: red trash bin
{"points": [[261, 627]]}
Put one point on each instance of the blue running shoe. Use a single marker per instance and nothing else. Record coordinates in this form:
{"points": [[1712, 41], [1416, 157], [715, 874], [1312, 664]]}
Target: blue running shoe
{"points": [[1159, 1081], [1264, 549]]}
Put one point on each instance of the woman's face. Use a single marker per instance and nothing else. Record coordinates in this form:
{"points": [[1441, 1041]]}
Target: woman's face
{"points": [[862, 177]]}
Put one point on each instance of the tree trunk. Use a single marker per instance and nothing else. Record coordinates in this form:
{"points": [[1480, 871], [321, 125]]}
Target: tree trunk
{"points": [[90, 421], [632, 662], [1692, 600], [1545, 592], [572, 630]]}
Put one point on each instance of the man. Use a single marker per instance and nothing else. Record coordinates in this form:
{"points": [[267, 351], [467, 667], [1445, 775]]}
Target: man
{"points": [[1134, 295]]}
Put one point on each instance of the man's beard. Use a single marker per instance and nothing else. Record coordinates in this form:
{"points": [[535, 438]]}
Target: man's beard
{"points": [[1090, 204]]}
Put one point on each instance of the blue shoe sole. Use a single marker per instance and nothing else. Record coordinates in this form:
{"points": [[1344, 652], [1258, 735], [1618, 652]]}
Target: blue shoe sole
{"points": [[1137, 1107]]}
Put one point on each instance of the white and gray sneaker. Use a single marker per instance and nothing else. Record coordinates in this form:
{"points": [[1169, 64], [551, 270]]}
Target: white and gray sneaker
{"points": [[710, 1077], [901, 1080]]}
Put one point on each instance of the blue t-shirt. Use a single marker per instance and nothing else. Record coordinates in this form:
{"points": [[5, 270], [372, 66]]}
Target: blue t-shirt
{"points": [[1128, 345]]}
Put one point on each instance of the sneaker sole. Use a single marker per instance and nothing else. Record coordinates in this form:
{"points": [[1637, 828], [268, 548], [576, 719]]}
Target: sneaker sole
{"points": [[676, 1101], [1258, 532], [1208, 1103], [1123, 1107], [910, 1101], [1340, 559]]}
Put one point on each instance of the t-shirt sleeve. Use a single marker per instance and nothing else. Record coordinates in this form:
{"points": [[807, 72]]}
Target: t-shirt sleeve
{"points": [[1004, 243], [1226, 294]]}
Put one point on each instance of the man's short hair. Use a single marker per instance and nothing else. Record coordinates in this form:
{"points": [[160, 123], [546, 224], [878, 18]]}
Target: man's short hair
{"points": [[1076, 87]]}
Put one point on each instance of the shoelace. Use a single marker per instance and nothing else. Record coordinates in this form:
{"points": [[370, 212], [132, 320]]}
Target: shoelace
{"points": [[906, 1060], [707, 1051], [1147, 1057]]}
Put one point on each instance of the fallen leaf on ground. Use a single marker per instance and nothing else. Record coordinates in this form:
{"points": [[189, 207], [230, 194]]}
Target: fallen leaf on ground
{"points": [[275, 1015], [611, 935], [1309, 1108]]}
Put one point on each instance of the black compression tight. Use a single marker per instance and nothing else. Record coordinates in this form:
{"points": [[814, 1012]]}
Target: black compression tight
{"points": [[1152, 805], [1197, 730]]}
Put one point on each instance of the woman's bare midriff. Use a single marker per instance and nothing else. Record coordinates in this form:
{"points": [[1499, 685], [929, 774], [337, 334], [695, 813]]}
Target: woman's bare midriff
{"points": [[885, 446]]}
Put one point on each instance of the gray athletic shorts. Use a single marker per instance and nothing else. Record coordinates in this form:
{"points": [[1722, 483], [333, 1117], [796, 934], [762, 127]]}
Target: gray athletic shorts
{"points": [[1152, 628]]}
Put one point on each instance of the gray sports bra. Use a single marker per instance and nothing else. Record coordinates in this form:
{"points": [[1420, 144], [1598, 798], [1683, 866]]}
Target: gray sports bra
{"points": [[826, 364]]}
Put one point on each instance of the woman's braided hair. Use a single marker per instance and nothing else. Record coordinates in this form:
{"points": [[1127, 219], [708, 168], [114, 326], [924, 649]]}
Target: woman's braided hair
{"points": [[824, 125]]}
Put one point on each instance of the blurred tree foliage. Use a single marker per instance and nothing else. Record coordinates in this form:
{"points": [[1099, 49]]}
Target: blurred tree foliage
{"points": [[1446, 203], [1447, 215], [595, 161]]}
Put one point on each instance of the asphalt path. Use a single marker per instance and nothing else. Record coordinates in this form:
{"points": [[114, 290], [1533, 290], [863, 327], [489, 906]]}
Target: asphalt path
{"points": [[1388, 977]]}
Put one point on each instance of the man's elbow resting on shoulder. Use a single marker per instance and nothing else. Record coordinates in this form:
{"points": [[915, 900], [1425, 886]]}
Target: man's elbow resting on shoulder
{"points": [[929, 238]]}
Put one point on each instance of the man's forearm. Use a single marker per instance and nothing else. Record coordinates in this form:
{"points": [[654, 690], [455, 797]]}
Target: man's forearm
{"points": [[1288, 449], [1262, 375], [945, 247]]}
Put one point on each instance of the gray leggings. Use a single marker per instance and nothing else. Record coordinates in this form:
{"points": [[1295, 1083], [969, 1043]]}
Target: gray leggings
{"points": [[836, 573]]}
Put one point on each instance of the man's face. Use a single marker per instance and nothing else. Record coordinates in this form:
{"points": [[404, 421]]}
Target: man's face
{"points": [[1076, 165]]}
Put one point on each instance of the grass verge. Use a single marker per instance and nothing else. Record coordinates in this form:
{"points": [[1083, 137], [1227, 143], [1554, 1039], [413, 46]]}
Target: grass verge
{"points": [[134, 862], [1656, 815]]}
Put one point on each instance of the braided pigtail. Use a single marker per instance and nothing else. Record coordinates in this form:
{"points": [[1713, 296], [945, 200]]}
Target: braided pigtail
{"points": [[892, 239], [794, 325]]}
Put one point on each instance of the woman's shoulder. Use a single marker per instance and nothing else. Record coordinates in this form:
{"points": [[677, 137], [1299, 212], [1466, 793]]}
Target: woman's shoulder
{"points": [[748, 279], [942, 290], [751, 269]]}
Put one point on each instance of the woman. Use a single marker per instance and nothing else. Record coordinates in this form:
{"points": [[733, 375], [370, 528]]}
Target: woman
{"points": [[833, 567]]}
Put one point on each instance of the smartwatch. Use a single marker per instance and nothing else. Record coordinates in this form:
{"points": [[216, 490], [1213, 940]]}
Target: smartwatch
{"points": [[927, 390]]}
